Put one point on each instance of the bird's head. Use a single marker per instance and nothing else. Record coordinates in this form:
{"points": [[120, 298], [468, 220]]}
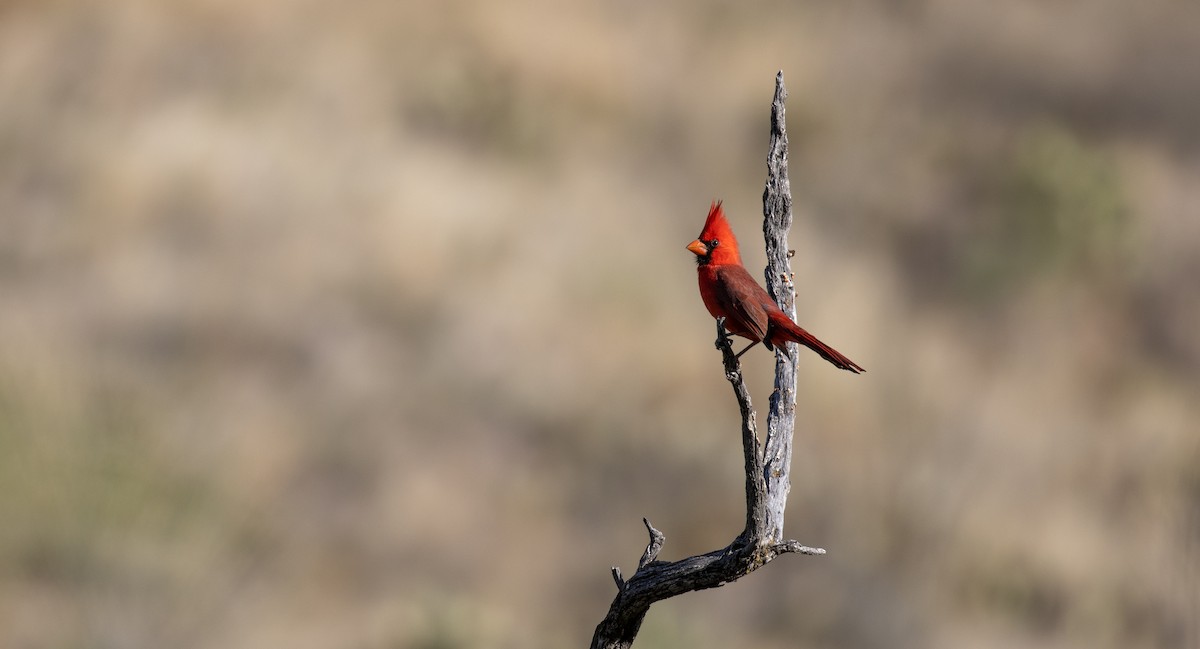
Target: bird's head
{"points": [[716, 244]]}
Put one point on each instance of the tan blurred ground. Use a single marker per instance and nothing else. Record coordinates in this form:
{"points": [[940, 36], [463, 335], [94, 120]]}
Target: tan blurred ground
{"points": [[369, 324]]}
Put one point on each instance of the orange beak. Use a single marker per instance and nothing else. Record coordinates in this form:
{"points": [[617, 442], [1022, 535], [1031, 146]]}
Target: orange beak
{"points": [[698, 248]]}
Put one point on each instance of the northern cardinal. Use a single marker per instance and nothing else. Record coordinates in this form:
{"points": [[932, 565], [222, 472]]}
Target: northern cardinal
{"points": [[730, 292]]}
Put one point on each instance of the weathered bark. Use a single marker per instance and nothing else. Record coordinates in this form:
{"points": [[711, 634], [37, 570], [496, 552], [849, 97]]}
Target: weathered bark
{"points": [[767, 480], [777, 221]]}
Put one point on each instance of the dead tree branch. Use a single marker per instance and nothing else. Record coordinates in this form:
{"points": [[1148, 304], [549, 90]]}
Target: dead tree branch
{"points": [[777, 221], [767, 479]]}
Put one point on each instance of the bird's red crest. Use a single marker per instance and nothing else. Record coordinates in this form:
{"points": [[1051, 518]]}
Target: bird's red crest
{"points": [[717, 227]]}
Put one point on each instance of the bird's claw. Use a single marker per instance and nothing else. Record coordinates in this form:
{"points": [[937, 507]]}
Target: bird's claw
{"points": [[723, 340]]}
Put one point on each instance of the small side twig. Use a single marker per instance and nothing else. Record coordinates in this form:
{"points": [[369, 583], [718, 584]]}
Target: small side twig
{"points": [[795, 546]]}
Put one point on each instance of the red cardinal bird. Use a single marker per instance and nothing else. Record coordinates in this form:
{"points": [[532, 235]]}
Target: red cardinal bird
{"points": [[730, 292]]}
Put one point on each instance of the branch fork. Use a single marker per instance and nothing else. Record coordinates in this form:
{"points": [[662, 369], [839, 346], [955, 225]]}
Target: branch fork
{"points": [[761, 540]]}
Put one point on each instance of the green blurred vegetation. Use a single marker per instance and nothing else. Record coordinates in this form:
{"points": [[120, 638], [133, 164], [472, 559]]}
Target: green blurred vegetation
{"points": [[370, 325], [1055, 207]]}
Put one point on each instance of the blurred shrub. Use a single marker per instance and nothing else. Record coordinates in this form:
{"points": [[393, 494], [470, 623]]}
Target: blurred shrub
{"points": [[1056, 206]]}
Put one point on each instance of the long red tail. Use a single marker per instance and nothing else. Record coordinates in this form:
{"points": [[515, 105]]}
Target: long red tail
{"points": [[782, 329]]}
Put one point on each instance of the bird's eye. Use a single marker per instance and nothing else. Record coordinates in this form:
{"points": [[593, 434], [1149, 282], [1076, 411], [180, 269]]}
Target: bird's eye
{"points": [[714, 243]]}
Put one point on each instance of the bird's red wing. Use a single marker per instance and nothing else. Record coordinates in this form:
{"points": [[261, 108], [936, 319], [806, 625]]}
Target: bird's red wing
{"points": [[745, 302]]}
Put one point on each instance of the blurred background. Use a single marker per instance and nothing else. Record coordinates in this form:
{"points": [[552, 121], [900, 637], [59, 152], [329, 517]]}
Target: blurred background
{"points": [[369, 324]]}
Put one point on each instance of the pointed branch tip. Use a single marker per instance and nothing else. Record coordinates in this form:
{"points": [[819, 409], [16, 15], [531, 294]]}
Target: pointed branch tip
{"points": [[652, 549], [795, 547]]}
